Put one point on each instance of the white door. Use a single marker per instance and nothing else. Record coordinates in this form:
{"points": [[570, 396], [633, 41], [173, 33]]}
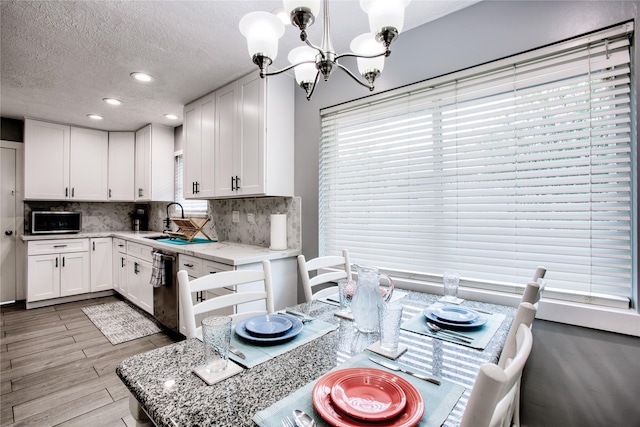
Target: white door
{"points": [[143, 164], [252, 134], [146, 289], [226, 112], [122, 149], [88, 164], [46, 166], [101, 264], [74, 274], [133, 280], [8, 233], [44, 277]]}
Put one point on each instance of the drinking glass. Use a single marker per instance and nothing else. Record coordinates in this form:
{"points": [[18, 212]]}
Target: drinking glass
{"points": [[390, 316], [216, 336], [346, 291], [451, 281]]}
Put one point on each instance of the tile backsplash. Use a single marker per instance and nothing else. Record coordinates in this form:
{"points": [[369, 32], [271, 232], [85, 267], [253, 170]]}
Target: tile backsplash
{"points": [[103, 216]]}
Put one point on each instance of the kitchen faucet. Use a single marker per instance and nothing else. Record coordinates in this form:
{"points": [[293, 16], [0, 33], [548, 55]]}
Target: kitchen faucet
{"points": [[167, 220]]}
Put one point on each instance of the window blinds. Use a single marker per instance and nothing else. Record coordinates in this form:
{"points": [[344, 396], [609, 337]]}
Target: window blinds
{"points": [[492, 171]]}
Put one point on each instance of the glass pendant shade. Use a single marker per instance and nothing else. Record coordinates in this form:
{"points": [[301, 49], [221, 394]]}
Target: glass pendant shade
{"points": [[305, 73], [385, 13], [312, 5], [262, 30], [366, 44]]}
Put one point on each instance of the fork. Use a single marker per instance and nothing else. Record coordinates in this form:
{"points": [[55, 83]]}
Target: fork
{"points": [[286, 422]]}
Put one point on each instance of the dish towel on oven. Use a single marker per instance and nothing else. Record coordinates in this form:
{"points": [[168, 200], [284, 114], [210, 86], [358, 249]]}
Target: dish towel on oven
{"points": [[157, 271]]}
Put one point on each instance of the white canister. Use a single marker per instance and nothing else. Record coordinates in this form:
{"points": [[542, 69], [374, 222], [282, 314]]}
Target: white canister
{"points": [[278, 232]]}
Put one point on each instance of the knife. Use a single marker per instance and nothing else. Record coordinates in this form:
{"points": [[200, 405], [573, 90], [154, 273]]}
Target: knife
{"points": [[305, 318], [395, 367], [237, 352]]}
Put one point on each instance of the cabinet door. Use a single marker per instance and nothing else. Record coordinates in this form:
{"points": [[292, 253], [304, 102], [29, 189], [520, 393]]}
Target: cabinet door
{"points": [[251, 116], [43, 277], [206, 185], [122, 150], [46, 161], [146, 289], [226, 156], [133, 280], [120, 273], [88, 164], [143, 164], [101, 264], [192, 151], [74, 274]]}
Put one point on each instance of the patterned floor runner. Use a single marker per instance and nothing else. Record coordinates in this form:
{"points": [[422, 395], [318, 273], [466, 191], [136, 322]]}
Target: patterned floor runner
{"points": [[120, 322]]}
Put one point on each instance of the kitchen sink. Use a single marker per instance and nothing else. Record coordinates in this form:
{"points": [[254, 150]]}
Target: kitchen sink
{"points": [[161, 237], [179, 241]]}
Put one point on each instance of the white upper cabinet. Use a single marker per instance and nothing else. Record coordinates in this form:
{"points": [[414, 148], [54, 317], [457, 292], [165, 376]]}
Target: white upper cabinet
{"points": [[252, 134], [198, 153], [88, 165], [63, 162], [46, 154], [154, 177], [122, 147]]}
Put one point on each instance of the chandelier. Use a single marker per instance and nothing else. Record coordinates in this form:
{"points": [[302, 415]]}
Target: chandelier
{"points": [[264, 29]]}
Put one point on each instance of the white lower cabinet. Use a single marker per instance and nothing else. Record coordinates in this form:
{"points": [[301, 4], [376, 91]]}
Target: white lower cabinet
{"points": [[57, 268], [120, 266], [138, 266], [101, 264]]}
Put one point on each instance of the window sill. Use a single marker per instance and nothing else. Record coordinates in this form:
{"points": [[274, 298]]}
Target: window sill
{"points": [[616, 320]]}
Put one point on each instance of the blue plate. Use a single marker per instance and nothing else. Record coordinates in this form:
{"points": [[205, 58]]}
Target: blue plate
{"points": [[454, 314], [242, 332], [480, 320], [268, 326]]}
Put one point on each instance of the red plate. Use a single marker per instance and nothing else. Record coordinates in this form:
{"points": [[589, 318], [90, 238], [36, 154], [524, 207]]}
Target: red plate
{"points": [[373, 397], [321, 396]]}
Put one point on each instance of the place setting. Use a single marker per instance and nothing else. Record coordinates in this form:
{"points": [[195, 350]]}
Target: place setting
{"points": [[260, 338], [361, 393], [456, 324]]}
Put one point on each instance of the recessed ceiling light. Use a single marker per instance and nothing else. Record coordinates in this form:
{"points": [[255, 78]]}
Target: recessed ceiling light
{"points": [[142, 77], [171, 116], [95, 116], [112, 101]]}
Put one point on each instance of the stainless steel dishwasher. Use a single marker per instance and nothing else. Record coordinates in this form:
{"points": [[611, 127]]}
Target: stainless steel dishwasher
{"points": [[166, 308]]}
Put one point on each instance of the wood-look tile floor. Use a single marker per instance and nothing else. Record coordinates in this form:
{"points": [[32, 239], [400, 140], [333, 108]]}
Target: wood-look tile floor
{"points": [[57, 369]]}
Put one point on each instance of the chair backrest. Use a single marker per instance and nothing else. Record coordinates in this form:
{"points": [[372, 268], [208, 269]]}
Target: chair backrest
{"points": [[492, 396], [258, 282], [524, 316], [309, 283]]}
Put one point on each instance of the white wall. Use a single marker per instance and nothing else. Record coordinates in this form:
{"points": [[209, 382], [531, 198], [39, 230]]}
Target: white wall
{"points": [[569, 386]]}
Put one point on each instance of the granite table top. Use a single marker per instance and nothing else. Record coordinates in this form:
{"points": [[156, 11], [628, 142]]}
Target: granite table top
{"points": [[162, 382]]}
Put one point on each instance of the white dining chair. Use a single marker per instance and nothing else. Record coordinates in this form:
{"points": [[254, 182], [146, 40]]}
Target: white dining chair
{"points": [[493, 394], [341, 263], [524, 316], [259, 289]]}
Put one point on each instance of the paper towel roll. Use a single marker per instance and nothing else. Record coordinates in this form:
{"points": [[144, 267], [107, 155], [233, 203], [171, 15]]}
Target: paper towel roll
{"points": [[278, 232]]}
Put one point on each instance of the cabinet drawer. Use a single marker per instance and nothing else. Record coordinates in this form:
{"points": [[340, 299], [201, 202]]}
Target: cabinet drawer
{"points": [[193, 266], [211, 267], [58, 246], [120, 245], [137, 250]]}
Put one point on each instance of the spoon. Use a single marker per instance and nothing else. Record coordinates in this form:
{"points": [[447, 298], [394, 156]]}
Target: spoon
{"points": [[303, 419], [452, 334]]}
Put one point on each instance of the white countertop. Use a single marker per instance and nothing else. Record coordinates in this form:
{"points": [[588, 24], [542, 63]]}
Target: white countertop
{"points": [[224, 252]]}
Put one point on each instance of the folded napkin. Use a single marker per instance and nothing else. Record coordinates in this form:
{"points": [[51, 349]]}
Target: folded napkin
{"points": [[481, 335], [157, 271], [257, 354], [438, 400]]}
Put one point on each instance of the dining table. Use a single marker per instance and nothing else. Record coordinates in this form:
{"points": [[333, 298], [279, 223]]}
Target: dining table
{"points": [[166, 392]]}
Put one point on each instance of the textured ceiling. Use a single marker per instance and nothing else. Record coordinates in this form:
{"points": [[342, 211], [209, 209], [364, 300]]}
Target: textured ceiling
{"points": [[59, 59]]}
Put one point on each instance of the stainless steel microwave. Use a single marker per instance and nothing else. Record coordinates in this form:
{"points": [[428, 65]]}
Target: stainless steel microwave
{"points": [[48, 222]]}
